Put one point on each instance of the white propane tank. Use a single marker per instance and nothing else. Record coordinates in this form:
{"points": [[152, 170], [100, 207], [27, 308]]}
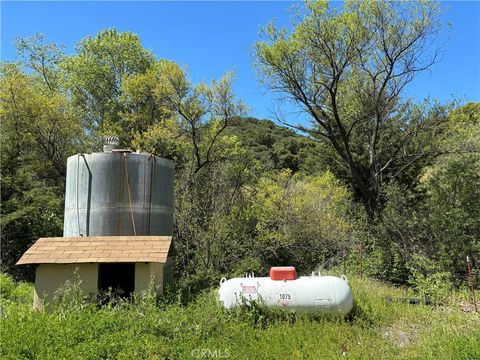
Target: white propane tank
{"points": [[329, 294]]}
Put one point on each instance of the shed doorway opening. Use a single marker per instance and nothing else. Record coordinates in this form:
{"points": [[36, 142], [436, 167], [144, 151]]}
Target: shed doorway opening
{"points": [[117, 277]]}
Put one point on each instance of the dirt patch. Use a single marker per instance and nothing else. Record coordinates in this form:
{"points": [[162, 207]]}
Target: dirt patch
{"points": [[400, 336]]}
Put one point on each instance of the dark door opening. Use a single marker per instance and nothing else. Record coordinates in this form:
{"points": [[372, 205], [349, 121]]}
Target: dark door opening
{"points": [[117, 277]]}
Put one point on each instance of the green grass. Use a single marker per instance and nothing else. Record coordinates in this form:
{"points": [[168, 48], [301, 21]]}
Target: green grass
{"points": [[203, 330]]}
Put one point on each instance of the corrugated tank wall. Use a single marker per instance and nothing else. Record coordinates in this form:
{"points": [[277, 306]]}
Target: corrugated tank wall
{"points": [[105, 190]]}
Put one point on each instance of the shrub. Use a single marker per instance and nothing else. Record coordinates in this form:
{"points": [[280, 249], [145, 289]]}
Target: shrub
{"points": [[302, 221], [428, 280]]}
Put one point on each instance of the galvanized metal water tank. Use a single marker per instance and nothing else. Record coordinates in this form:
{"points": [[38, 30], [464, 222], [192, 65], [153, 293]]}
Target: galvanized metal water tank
{"points": [[118, 193]]}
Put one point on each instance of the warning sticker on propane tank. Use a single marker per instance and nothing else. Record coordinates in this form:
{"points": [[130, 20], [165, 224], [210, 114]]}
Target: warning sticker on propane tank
{"points": [[249, 289]]}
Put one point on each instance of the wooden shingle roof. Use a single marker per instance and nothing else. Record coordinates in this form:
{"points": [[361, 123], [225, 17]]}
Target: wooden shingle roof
{"points": [[102, 249]]}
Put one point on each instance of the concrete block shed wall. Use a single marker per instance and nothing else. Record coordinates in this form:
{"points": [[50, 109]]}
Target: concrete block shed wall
{"points": [[51, 277], [145, 273], [158, 271]]}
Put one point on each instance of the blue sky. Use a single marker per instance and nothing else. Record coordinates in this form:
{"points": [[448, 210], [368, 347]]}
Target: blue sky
{"points": [[211, 38]]}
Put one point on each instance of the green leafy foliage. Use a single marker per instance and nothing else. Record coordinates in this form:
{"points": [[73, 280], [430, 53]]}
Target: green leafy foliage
{"points": [[302, 221], [95, 73], [39, 131], [277, 148], [346, 71], [428, 281], [437, 217]]}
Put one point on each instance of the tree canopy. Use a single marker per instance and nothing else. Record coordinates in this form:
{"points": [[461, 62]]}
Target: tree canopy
{"points": [[347, 70]]}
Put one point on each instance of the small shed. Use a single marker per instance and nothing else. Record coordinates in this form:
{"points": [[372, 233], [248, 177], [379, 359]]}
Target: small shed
{"points": [[125, 264]]}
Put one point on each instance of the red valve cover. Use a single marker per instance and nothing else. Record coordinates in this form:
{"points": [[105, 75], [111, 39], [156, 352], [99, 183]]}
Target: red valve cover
{"points": [[283, 273]]}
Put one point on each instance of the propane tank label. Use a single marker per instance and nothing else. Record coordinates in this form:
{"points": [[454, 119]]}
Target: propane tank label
{"points": [[285, 297]]}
